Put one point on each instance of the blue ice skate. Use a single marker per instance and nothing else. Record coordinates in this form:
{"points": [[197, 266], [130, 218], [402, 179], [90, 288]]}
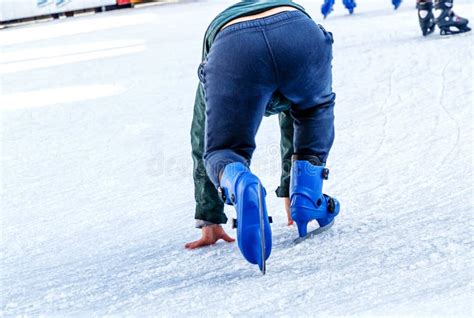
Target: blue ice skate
{"points": [[307, 200], [241, 188], [396, 3], [327, 7], [350, 5]]}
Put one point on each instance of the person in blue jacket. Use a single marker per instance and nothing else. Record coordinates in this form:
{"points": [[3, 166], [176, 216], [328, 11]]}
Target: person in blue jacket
{"points": [[260, 57]]}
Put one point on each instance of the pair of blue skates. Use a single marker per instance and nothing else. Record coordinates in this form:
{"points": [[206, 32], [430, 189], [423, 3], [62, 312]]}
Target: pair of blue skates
{"points": [[242, 189], [328, 5], [350, 5]]}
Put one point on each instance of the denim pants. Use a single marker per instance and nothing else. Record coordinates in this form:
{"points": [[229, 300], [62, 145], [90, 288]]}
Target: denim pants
{"points": [[249, 62]]}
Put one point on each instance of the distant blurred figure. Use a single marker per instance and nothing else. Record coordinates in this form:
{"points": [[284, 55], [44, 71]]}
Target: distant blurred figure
{"points": [[42, 3], [448, 22], [396, 3], [328, 5]]}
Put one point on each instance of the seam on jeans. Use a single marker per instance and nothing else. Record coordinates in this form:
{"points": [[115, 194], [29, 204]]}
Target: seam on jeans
{"points": [[272, 56], [221, 36], [276, 24], [265, 21], [285, 22]]}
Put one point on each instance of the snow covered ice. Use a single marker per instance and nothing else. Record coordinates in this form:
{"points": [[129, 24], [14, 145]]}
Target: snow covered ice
{"points": [[97, 192]]}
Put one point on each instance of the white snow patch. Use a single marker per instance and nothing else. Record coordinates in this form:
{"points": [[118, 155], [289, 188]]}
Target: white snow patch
{"points": [[96, 175], [56, 96]]}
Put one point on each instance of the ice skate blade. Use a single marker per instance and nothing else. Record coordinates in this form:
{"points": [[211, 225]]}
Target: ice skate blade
{"points": [[263, 270], [263, 267], [448, 32], [315, 232]]}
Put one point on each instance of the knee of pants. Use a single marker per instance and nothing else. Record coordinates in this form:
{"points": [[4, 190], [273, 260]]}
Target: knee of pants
{"points": [[324, 109], [314, 131], [215, 162]]}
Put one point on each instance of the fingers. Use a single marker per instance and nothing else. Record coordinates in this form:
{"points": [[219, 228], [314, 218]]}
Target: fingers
{"points": [[288, 211], [287, 203], [290, 220], [227, 238], [197, 244], [221, 234], [210, 239], [190, 245]]}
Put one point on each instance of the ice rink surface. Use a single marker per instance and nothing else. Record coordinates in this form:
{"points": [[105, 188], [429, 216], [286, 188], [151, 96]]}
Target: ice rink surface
{"points": [[97, 193]]}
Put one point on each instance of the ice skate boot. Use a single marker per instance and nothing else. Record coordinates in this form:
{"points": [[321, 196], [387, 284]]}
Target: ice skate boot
{"points": [[327, 7], [448, 22], [242, 189], [425, 17], [396, 3], [307, 200], [350, 5]]}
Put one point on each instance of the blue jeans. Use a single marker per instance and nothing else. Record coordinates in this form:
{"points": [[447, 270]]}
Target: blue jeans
{"points": [[249, 62]]}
